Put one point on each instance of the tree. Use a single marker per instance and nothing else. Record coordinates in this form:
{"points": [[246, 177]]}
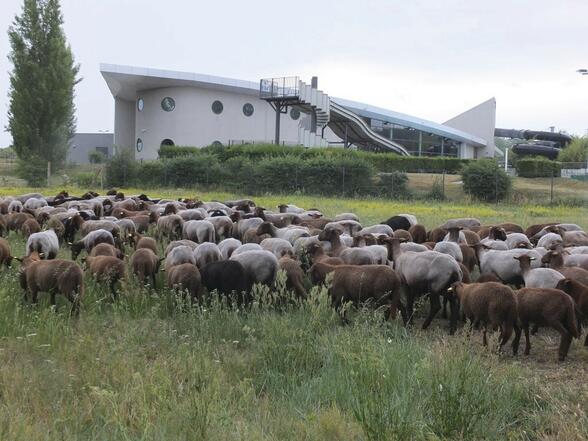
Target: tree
{"points": [[41, 116], [485, 180], [577, 151]]}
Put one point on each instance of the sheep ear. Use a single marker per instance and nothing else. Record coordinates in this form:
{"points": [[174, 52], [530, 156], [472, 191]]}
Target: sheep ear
{"points": [[516, 257], [41, 254], [532, 258], [70, 244]]}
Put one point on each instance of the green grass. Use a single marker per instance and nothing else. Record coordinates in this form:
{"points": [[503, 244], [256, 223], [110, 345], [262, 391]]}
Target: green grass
{"points": [[149, 368]]}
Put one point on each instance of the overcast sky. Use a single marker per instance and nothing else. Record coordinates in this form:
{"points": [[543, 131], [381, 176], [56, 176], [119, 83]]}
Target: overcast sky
{"points": [[429, 58]]}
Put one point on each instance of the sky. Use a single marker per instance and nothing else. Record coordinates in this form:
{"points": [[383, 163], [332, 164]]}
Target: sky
{"points": [[428, 58]]}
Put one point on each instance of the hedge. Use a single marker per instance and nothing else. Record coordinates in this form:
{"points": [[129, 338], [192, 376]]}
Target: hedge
{"points": [[382, 162], [537, 168]]}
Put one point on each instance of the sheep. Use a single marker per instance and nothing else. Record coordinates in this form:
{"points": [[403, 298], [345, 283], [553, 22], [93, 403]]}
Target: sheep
{"points": [[290, 208], [467, 222], [546, 307], [105, 249], [247, 247], [537, 277], [577, 260], [418, 233], [515, 240], [361, 283], [227, 246], [294, 274], [206, 253], [579, 292], [193, 214], [436, 235], [261, 266], [397, 223], [491, 304], [89, 241], [145, 265], [199, 231], [93, 225], [346, 216], [15, 207], [185, 278], [501, 264], [5, 254], [578, 250], [45, 243], [550, 240], [146, 242], [451, 247], [170, 227], [177, 243], [34, 203], [29, 227], [575, 238], [178, 255], [127, 229], [379, 229], [349, 226], [15, 221], [3, 227], [107, 269], [488, 277], [554, 260], [56, 225], [53, 276], [277, 246], [469, 257], [357, 256], [427, 271], [227, 277], [223, 226], [317, 254], [142, 222], [333, 236], [289, 234], [23, 198], [244, 225]]}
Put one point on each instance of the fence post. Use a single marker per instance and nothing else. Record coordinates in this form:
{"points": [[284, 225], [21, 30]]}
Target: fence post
{"points": [[48, 173], [551, 190], [496, 186], [343, 181], [443, 182]]}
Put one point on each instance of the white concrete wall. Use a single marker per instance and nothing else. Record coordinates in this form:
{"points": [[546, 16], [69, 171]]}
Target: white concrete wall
{"points": [[479, 121], [192, 122], [124, 123]]}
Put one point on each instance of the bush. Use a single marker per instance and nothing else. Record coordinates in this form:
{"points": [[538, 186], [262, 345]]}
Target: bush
{"points": [[33, 170], [577, 151], [121, 169], [96, 157], [486, 181], [538, 167], [394, 185], [85, 179]]}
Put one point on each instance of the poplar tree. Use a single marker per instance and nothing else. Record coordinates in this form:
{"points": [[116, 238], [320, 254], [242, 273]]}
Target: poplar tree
{"points": [[41, 115]]}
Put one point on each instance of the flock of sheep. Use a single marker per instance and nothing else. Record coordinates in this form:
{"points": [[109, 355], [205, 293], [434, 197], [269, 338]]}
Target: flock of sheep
{"points": [[229, 247]]}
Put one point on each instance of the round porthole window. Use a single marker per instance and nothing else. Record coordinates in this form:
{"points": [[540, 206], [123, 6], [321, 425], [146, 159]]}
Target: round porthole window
{"points": [[294, 114], [217, 107], [139, 145], [140, 104], [168, 104], [248, 109]]}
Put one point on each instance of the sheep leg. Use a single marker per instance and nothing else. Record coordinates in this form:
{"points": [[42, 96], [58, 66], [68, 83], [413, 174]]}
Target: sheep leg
{"points": [[435, 303], [565, 341], [484, 339], [113, 289], [586, 341], [410, 295], [444, 310], [516, 340], [405, 316], [454, 311], [153, 280], [534, 329], [527, 340]]}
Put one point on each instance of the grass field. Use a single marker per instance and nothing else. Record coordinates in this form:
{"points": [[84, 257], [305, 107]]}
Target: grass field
{"points": [[148, 368]]}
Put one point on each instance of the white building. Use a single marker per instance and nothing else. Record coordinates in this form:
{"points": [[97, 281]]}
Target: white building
{"points": [[157, 107]]}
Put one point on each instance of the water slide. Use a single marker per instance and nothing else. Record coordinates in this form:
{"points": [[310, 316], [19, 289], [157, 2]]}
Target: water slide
{"points": [[351, 128], [539, 143]]}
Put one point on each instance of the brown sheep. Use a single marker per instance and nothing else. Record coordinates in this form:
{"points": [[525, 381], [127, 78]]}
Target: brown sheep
{"points": [[510, 227], [488, 277], [490, 304], [579, 292], [3, 228], [106, 249], [333, 235], [53, 276], [294, 274], [185, 277], [403, 235], [146, 242], [29, 227], [56, 225], [547, 307], [418, 233], [359, 283], [469, 257], [534, 229], [471, 237], [145, 264], [5, 255], [436, 235], [14, 221], [143, 221], [317, 254], [107, 269], [554, 260], [251, 236]]}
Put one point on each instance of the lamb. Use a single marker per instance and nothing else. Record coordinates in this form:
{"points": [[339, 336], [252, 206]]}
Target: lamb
{"points": [[145, 265], [294, 274], [260, 266], [53, 276], [178, 255], [427, 271], [490, 304], [546, 307], [90, 241], [5, 254], [277, 246], [227, 246], [29, 227], [170, 227], [206, 253], [418, 233], [185, 278], [199, 231], [537, 277], [579, 292], [45, 243], [555, 260], [227, 277], [361, 283], [107, 269], [105, 249]]}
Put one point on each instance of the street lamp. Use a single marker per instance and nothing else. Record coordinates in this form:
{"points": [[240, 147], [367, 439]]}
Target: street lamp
{"points": [[582, 71]]}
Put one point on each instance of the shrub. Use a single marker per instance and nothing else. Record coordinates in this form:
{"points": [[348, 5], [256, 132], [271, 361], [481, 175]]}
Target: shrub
{"points": [[538, 167], [121, 169], [394, 185], [96, 157], [33, 170], [577, 151], [485, 180], [85, 179], [437, 192]]}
